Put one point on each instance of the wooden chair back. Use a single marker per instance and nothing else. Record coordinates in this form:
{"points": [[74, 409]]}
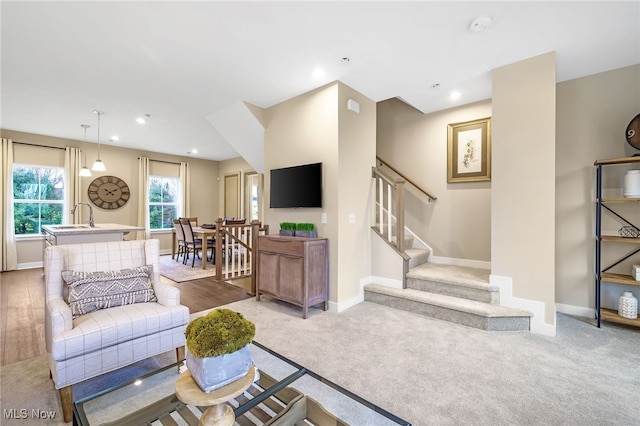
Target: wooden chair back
{"points": [[187, 230], [192, 220]]}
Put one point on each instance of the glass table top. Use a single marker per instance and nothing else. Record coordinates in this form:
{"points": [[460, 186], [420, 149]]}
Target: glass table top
{"points": [[280, 384]]}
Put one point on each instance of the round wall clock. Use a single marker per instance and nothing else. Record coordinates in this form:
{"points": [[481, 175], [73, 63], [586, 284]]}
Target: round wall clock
{"points": [[109, 192], [633, 132]]}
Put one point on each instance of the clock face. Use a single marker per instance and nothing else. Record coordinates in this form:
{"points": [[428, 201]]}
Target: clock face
{"points": [[633, 132], [109, 192]]}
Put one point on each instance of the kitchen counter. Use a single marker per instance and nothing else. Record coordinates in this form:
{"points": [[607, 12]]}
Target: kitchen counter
{"points": [[82, 233]]}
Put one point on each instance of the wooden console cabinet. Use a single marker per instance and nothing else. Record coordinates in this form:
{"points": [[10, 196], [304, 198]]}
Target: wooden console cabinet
{"points": [[293, 269]]}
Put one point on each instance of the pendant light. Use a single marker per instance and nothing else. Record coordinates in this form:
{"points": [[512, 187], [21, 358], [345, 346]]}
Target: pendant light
{"points": [[85, 170], [98, 165]]}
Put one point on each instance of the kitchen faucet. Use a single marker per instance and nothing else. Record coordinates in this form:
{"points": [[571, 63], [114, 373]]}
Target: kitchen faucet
{"points": [[91, 222]]}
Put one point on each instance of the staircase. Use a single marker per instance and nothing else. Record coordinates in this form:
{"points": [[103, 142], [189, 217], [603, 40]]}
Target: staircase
{"points": [[451, 293]]}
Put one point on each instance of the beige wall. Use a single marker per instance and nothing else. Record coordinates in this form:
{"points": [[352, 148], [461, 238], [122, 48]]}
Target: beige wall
{"points": [[415, 144], [356, 156], [304, 130], [523, 185], [593, 113], [121, 162], [316, 127]]}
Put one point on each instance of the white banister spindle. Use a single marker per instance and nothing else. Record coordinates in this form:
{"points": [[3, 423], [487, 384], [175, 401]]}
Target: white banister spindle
{"points": [[388, 207], [380, 207]]}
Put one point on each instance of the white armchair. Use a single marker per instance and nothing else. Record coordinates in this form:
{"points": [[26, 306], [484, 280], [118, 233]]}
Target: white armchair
{"points": [[106, 339]]}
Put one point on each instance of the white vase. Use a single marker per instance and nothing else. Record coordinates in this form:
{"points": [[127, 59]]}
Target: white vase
{"points": [[632, 184], [214, 372], [628, 305]]}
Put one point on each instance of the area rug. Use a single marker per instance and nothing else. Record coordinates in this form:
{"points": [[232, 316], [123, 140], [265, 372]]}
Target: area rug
{"points": [[178, 272]]}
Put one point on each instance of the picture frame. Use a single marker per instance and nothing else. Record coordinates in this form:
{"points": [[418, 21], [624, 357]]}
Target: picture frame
{"points": [[469, 151]]}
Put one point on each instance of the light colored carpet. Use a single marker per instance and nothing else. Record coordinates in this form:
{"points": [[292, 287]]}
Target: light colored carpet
{"points": [[178, 272], [431, 372]]}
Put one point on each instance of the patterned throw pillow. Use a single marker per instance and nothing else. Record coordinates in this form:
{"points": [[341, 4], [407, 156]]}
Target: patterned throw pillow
{"points": [[91, 291]]}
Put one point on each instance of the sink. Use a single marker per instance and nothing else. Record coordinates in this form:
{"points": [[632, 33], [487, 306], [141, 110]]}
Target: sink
{"points": [[69, 226]]}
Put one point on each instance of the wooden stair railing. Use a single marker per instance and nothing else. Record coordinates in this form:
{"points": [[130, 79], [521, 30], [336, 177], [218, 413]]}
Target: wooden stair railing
{"points": [[389, 209], [406, 179], [234, 250]]}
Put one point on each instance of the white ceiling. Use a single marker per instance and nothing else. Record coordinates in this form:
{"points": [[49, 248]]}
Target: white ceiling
{"points": [[184, 61]]}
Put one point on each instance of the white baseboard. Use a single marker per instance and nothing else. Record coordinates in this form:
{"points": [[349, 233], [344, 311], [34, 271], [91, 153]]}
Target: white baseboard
{"points": [[349, 303], [576, 311], [387, 282], [537, 324], [461, 262], [346, 304]]}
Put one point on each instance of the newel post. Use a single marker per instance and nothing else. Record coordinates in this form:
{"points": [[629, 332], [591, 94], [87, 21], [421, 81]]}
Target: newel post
{"points": [[255, 231], [400, 214], [219, 238]]}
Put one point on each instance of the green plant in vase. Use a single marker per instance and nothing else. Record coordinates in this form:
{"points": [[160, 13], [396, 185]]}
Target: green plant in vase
{"points": [[306, 230], [218, 348], [287, 228]]}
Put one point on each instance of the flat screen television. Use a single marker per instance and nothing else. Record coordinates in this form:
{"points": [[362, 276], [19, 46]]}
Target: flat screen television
{"points": [[297, 186]]}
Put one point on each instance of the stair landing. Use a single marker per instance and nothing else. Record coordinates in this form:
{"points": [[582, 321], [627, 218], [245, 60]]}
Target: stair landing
{"points": [[451, 293]]}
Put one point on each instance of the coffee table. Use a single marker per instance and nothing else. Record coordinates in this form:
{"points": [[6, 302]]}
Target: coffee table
{"points": [[282, 388]]}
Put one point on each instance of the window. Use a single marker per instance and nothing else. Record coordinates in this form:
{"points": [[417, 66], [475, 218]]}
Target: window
{"points": [[38, 197], [163, 201]]}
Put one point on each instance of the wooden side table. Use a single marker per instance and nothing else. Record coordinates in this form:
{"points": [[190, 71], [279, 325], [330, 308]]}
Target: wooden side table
{"points": [[218, 413]]}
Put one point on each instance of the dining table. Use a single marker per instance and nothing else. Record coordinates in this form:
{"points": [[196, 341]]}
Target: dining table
{"points": [[198, 232]]}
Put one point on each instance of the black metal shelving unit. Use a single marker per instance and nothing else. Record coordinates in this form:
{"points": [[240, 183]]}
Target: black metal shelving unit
{"points": [[603, 274]]}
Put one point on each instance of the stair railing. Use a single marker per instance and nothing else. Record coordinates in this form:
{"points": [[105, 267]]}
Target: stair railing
{"points": [[406, 179], [234, 250], [389, 209]]}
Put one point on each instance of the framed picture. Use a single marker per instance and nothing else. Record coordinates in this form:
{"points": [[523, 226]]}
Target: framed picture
{"points": [[469, 153]]}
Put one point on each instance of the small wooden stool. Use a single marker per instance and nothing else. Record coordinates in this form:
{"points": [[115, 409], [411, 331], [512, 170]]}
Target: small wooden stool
{"points": [[219, 413]]}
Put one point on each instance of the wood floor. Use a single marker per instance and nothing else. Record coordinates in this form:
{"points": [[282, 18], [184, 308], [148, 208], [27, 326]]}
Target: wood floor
{"points": [[22, 309]]}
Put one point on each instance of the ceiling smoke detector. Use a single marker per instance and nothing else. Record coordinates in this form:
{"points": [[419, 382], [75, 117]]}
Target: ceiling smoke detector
{"points": [[481, 23]]}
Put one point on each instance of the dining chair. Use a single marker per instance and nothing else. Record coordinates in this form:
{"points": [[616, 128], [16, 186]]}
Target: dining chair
{"points": [[179, 238], [193, 220], [234, 247], [192, 244]]}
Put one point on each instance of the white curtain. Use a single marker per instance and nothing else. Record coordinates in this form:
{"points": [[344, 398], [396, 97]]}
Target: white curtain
{"points": [[185, 189], [7, 232], [143, 200], [73, 184]]}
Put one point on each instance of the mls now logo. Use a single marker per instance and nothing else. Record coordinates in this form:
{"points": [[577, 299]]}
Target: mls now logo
{"points": [[23, 413]]}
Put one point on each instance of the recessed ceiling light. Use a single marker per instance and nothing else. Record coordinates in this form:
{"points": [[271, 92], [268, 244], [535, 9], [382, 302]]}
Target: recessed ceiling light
{"points": [[142, 120], [114, 138], [481, 23], [318, 73], [454, 95], [435, 86], [344, 60]]}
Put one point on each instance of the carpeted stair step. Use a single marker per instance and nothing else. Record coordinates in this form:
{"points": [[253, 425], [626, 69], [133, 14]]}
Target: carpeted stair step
{"points": [[456, 281], [418, 256], [484, 316]]}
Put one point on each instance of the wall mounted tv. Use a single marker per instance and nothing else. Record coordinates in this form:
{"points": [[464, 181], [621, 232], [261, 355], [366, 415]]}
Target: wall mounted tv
{"points": [[297, 186]]}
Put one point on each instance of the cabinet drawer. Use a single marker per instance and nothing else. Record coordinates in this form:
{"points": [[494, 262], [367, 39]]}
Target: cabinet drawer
{"points": [[281, 245]]}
